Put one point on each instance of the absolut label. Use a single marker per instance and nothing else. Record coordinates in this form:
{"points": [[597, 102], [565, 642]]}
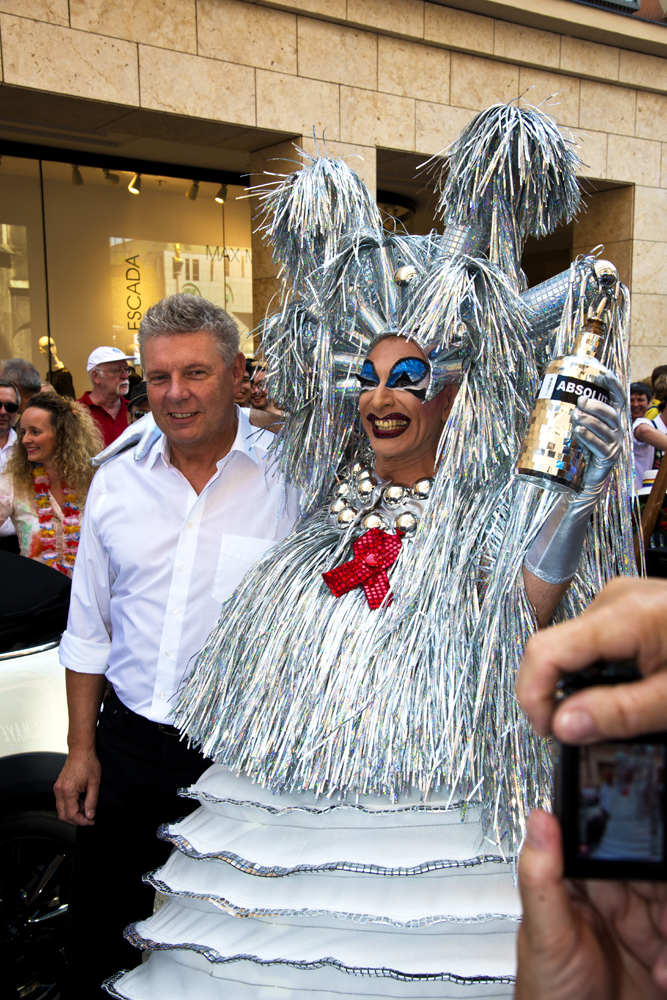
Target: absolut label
{"points": [[568, 390]]}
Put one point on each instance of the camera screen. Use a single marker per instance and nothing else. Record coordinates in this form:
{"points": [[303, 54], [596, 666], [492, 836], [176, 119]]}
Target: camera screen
{"points": [[621, 802]]}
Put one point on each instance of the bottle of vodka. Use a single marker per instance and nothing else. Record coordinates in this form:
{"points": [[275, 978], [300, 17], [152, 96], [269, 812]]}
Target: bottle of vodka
{"points": [[550, 455]]}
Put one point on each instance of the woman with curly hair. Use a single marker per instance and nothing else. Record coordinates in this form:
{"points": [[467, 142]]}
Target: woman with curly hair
{"points": [[43, 489]]}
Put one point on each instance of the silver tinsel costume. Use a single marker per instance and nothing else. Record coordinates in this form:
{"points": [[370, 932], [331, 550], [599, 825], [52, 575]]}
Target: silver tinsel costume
{"points": [[373, 771]]}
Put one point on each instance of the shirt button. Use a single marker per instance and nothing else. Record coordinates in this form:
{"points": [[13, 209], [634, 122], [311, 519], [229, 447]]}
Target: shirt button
{"points": [[162, 695], [189, 524], [174, 611], [182, 568], [167, 653]]}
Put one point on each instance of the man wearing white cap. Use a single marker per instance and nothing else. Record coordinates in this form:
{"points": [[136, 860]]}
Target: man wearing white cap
{"points": [[109, 370]]}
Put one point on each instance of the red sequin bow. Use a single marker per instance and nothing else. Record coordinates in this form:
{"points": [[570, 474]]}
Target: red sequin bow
{"points": [[374, 552]]}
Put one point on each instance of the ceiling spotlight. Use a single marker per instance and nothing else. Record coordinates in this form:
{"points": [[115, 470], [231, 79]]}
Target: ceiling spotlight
{"points": [[77, 179], [221, 196], [135, 184], [192, 191], [112, 178]]}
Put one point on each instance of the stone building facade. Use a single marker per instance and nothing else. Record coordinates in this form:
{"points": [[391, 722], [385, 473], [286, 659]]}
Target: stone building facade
{"points": [[232, 83]]}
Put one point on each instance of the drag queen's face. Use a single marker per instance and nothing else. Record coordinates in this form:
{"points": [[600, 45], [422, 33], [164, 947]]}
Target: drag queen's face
{"points": [[404, 431]]}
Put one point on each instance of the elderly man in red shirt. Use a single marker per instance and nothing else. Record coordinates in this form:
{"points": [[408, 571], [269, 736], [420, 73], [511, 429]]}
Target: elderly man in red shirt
{"points": [[108, 369]]}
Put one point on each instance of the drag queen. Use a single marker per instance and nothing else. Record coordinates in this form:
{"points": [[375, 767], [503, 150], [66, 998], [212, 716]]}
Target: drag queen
{"points": [[357, 832]]}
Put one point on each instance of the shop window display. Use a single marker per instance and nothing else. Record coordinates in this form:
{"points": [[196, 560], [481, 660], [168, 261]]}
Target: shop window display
{"points": [[109, 256]]}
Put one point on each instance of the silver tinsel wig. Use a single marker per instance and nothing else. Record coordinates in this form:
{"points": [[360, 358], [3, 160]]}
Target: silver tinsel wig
{"points": [[304, 691]]}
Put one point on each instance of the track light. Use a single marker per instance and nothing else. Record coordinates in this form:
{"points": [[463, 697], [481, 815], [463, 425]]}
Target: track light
{"points": [[112, 178], [221, 196], [134, 187], [77, 179], [192, 191]]}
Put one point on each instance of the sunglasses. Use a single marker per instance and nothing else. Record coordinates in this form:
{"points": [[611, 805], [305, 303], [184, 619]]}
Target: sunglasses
{"points": [[9, 407]]}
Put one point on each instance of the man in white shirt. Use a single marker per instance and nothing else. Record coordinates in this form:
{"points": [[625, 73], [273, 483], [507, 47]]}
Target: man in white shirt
{"points": [[645, 435], [10, 401], [165, 540]]}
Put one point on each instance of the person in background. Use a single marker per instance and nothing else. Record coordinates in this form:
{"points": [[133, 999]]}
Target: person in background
{"points": [[657, 398], [646, 438], [57, 375], [109, 372], [44, 486], [242, 397], [24, 376], [10, 401], [259, 397], [137, 404], [593, 940]]}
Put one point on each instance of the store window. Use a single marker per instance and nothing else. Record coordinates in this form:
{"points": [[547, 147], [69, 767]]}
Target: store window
{"points": [[109, 254]]}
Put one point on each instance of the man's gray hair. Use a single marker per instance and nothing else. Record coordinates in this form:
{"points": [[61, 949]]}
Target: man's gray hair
{"points": [[190, 314], [23, 374]]}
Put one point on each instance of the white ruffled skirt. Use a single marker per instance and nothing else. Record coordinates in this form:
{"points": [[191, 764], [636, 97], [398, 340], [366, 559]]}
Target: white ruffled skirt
{"points": [[283, 896]]}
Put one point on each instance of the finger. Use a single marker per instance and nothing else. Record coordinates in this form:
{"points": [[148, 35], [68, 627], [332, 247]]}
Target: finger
{"points": [[615, 712], [90, 802], [547, 924], [616, 390], [595, 408], [594, 439], [627, 620]]}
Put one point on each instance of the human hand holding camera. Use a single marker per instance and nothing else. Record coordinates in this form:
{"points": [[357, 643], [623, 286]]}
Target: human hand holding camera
{"points": [[594, 939]]}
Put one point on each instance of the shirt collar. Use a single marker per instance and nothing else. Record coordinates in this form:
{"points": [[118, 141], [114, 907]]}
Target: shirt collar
{"points": [[10, 440], [243, 442]]}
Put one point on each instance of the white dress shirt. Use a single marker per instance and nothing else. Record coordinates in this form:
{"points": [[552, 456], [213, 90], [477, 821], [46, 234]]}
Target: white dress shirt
{"points": [[156, 561], [7, 528]]}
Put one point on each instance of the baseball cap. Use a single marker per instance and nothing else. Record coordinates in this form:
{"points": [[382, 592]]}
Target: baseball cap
{"points": [[138, 392], [103, 354]]}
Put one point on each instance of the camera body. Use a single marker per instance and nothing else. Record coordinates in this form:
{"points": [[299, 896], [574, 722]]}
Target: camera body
{"points": [[610, 797]]}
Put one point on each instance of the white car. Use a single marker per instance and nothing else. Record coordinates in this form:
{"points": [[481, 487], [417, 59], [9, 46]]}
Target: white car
{"points": [[35, 847]]}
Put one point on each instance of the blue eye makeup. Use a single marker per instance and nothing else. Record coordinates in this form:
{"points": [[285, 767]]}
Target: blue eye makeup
{"points": [[412, 374], [368, 377]]}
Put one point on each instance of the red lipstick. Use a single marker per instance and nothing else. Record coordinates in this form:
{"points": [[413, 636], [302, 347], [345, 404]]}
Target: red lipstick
{"points": [[390, 426]]}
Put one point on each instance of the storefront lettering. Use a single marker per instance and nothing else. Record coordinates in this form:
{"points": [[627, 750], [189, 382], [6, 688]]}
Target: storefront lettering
{"points": [[133, 279]]}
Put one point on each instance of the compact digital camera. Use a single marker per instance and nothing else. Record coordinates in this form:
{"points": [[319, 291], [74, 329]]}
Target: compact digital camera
{"points": [[610, 797]]}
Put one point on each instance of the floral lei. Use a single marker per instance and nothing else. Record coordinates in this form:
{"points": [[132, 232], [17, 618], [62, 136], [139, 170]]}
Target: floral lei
{"points": [[47, 528]]}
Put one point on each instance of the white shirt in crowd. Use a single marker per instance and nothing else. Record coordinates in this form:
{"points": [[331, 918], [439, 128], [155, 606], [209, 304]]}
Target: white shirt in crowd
{"points": [[643, 452], [156, 561], [7, 528]]}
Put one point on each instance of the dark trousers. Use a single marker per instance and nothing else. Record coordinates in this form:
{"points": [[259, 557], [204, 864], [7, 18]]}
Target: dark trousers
{"points": [[143, 765]]}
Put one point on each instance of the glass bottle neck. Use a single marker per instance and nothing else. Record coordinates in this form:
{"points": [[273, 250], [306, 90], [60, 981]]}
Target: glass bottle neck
{"points": [[590, 339]]}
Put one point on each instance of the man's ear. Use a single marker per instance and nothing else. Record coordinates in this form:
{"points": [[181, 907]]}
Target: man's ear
{"points": [[238, 369], [449, 394]]}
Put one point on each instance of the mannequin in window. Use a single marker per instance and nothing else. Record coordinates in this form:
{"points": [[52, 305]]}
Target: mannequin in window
{"points": [[59, 376]]}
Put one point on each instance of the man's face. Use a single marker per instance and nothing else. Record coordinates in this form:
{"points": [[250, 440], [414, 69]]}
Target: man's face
{"points": [[190, 389], [259, 397], [396, 420], [113, 377], [638, 405], [242, 397], [7, 419], [138, 410]]}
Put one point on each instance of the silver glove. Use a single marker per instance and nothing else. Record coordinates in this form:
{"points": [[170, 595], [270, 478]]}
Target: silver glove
{"points": [[143, 433], [555, 553]]}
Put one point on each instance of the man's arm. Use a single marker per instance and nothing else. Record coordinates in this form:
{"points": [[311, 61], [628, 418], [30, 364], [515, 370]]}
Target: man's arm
{"points": [[267, 420], [79, 781], [648, 434], [84, 652], [544, 596]]}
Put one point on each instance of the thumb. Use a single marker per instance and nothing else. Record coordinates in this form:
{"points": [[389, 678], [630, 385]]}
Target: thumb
{"points": [[547, 929], [613, 712]]}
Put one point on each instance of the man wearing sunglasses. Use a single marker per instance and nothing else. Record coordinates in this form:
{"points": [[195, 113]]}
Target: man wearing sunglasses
{"points": [[9, 406], [109, 372]]}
